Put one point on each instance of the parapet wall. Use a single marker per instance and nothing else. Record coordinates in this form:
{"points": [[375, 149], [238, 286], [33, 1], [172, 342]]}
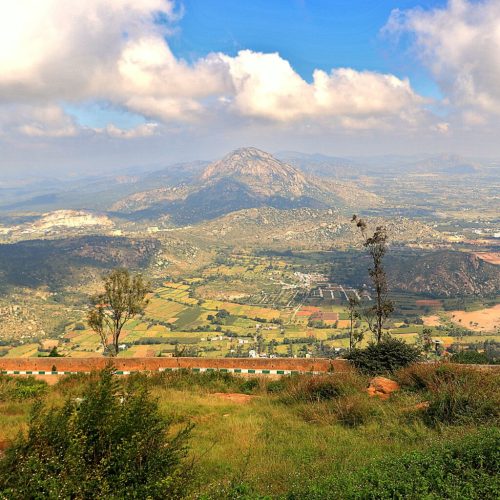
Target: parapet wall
{"points": [[238, 365]]}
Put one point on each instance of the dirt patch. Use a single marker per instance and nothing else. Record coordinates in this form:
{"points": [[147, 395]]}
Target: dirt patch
{"points": [[484, 320], [432, 320], [491, 257], [234, 397]]}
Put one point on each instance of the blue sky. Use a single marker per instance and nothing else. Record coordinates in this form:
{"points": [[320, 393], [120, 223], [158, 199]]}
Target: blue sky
{"points": [[309, 34], [195, 78]]}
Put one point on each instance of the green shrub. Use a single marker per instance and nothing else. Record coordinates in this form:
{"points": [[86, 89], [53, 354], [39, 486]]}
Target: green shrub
{"points": [[470, 358], [213, 381], [20, 387], [385, 357], [111, 443], [468, 469], [249, 385], [275, 386]]}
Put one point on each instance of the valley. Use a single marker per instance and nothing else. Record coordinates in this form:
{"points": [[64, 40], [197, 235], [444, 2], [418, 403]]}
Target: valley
{"points": [[267, 241]]}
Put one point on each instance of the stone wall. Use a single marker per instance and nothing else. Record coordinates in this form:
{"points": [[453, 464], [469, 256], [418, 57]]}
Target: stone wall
{"points": [[155, 364]]}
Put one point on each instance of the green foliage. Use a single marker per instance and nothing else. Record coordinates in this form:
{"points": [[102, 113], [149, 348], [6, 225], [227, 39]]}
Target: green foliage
{"points": [[123, 298], [384, 357], [354, 410], [20, 388], [213, 381], [111, 443], [54, 354], [249, 385], [470, 357], [468, 469]]}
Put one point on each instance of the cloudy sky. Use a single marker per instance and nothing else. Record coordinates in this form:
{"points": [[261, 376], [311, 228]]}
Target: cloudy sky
{"points": [[103, 84]]}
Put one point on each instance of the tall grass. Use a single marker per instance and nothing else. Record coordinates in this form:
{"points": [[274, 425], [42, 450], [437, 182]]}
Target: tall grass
{"points": [[292, 429], [455, 394]]}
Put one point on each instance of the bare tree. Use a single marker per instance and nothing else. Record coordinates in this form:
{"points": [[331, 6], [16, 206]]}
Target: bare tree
{"points": [[123, 298], [377, 315], [355, 336]]}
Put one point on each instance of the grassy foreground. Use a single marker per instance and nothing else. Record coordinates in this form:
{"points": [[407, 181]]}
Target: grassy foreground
{"points": [[315, 437]]}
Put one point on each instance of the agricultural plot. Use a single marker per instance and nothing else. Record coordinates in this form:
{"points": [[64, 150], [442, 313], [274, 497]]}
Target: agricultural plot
{"points": [[23, 351], [243, 310], [484, 320]]}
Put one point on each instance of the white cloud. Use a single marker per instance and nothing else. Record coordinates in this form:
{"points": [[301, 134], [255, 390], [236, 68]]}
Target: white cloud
{"points": [[143, 130], [58, 50], [265, 85], [37, 121], [460, 44]]}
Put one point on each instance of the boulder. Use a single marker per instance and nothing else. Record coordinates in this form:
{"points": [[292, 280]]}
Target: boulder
{"points": [[382, 387]]}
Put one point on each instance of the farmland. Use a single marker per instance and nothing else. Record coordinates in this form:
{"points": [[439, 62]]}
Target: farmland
{"points": [[272, 306]]}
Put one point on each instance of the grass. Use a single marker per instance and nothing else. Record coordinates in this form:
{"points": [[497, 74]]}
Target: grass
{"points": [[294, 431]]}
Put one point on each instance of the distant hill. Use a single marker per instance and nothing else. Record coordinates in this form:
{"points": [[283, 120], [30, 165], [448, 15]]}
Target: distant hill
{"points": [[245, 178], [445, 272], [70, 261], [300, 228]]}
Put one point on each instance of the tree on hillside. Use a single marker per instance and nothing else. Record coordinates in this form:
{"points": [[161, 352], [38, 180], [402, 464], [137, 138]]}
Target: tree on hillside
{"points": [[424, 341], [355, 336], [123, 298], [376, 244]]}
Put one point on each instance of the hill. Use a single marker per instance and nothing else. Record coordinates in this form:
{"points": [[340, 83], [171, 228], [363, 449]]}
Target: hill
{"points": [[245, 178]]}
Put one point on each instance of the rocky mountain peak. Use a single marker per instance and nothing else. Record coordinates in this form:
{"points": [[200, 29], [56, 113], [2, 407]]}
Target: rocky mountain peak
{"points": [[258, 169]]}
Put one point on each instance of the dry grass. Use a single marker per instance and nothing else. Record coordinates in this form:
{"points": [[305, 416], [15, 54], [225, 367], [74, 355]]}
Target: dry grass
{"points": [[279, 439]]}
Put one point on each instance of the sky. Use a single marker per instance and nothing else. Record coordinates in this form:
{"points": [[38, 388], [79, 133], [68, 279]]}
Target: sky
{"points": [[99, 85]]}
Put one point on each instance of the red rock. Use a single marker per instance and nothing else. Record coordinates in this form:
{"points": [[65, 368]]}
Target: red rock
{"points": [[382, 387]]}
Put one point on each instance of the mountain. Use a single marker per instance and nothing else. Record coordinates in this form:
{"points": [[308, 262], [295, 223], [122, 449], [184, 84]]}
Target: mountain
{"points": [[245, 178]]}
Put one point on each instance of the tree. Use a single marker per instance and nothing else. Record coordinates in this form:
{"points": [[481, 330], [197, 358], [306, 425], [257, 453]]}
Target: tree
{"points": [[123, 298], [377, 315], [112, 442], [424, 340], [355, 336]]}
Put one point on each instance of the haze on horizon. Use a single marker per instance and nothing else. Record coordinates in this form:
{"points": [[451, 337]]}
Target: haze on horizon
{"points": [[98, 85]]}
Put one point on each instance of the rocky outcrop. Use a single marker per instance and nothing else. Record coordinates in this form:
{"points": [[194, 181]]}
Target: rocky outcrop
{"points": [[382, 387]]}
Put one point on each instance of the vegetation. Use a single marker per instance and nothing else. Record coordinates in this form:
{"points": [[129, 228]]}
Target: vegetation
{"points": [[110, 443], [463, 469], [385, 357], [376, 244], [123, 298], [470, 357], [293, 437]]}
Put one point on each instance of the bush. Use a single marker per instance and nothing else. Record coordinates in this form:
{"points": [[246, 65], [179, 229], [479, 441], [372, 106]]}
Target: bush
{"points": [[20, 388], [456, 394], [468, 469], [110, 443], [249, 385], [275, 386], [385, 357], [470, 358]]}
